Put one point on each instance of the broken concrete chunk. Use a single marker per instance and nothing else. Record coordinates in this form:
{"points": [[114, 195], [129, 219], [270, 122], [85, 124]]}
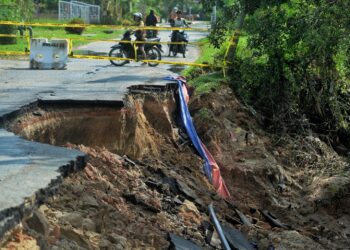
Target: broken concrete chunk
{"points": [[273, 221], [179, 243], [236, 239], [186, 190]]}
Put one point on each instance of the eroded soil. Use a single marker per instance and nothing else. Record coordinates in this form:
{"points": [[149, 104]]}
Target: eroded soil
{"points": [[143, 180]]}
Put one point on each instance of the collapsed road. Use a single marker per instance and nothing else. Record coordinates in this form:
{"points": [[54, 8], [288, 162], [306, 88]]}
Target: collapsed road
{"points": [[143, 185]]}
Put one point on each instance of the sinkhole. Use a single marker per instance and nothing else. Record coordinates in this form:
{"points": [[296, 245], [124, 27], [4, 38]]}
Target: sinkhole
{"points": [[137, 126]]}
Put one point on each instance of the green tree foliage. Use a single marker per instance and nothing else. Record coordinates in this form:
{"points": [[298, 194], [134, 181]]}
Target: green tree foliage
{"points": [[296, 65], [18, 10]]}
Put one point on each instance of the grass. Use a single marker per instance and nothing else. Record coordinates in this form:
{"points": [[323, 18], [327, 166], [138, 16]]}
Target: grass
{"points": [[96, 33], [203, 79], [208, 82], [207, 52]]}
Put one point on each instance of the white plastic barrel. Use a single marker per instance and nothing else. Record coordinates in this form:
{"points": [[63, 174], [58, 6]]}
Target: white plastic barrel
{"points": [[48, 55]]}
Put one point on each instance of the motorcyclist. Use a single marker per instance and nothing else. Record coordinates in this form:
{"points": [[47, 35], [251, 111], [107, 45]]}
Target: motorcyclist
{"points": [[152, 20], [140, 34], [177, 22], [172, 16]]}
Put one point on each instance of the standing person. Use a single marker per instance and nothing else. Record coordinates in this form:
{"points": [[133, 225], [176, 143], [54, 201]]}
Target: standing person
{"points": [[151, 20], [140, 34]]}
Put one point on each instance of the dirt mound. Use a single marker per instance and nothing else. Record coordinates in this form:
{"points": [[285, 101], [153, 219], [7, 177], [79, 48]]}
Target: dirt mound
{"points": [[301, 179]]}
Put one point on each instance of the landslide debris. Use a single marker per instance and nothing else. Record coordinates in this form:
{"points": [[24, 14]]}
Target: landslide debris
{"points": [[300, 179], [143, 180]]}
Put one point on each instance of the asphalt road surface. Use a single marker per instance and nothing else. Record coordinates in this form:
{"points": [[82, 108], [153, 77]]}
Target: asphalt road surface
{"points": [[84, 79]]}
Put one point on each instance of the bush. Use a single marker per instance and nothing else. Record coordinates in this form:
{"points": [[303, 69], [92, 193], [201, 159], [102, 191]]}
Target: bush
{"points": [[109, 20], [8, 30], [75, 30], [126, 22], [8, 12]]}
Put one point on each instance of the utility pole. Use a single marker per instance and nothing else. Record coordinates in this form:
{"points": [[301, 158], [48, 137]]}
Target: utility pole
{"points": [[213, 16]]}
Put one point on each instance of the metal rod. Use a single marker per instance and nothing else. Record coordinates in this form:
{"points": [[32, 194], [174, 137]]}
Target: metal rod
{"points": [[218, 228]]}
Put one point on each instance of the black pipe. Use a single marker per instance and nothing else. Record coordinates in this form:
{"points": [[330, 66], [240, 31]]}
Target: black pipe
{"points": [[23, 28], [30, 31]]}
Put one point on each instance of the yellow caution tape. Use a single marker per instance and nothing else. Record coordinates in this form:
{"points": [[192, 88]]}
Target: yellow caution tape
{"points": [[8, 35], [133, 59], [119, 58], [120, 27], [107, 40], [101, 57], [232, 43], [8, 53]]}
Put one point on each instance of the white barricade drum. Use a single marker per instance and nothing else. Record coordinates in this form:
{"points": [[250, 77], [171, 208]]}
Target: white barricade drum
{"points": [[48, 55]]}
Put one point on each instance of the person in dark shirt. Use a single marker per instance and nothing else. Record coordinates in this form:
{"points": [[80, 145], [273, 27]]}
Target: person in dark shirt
{"points": [[152, 20]]}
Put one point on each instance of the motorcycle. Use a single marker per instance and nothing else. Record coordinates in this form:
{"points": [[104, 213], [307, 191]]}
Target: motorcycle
{"points": [[127, 51], [151, 34], [178, 36]]}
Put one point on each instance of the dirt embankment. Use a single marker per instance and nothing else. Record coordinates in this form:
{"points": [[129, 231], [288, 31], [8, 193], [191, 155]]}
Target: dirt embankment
{"points": [[143, 181], [300, 179]]}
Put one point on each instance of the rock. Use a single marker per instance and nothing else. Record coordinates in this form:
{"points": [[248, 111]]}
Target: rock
{"points": [[214, 240], [264, 243], [89, 225], [55, 234], [43, 208], [177, 201], [77, 188], [38, 223], [75, 219], [90, 201], [75, 237], [185, 190], [152, 204], [104, 244], [189, 213], [38, 113], [293, 240], [118, 240]]}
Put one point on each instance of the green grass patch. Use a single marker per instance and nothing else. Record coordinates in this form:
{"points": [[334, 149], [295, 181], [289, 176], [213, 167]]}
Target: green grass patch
{"points": [[207, 82], [204, 79], [208, 53], [242, 50]]}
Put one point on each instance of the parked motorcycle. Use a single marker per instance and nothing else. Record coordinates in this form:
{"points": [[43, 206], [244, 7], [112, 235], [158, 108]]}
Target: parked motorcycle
{"points": [[178, 36], [127, 51]]}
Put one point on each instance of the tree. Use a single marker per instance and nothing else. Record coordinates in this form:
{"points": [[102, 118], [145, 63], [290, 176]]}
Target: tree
{"points": [[296, 67], [18, 10]]}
